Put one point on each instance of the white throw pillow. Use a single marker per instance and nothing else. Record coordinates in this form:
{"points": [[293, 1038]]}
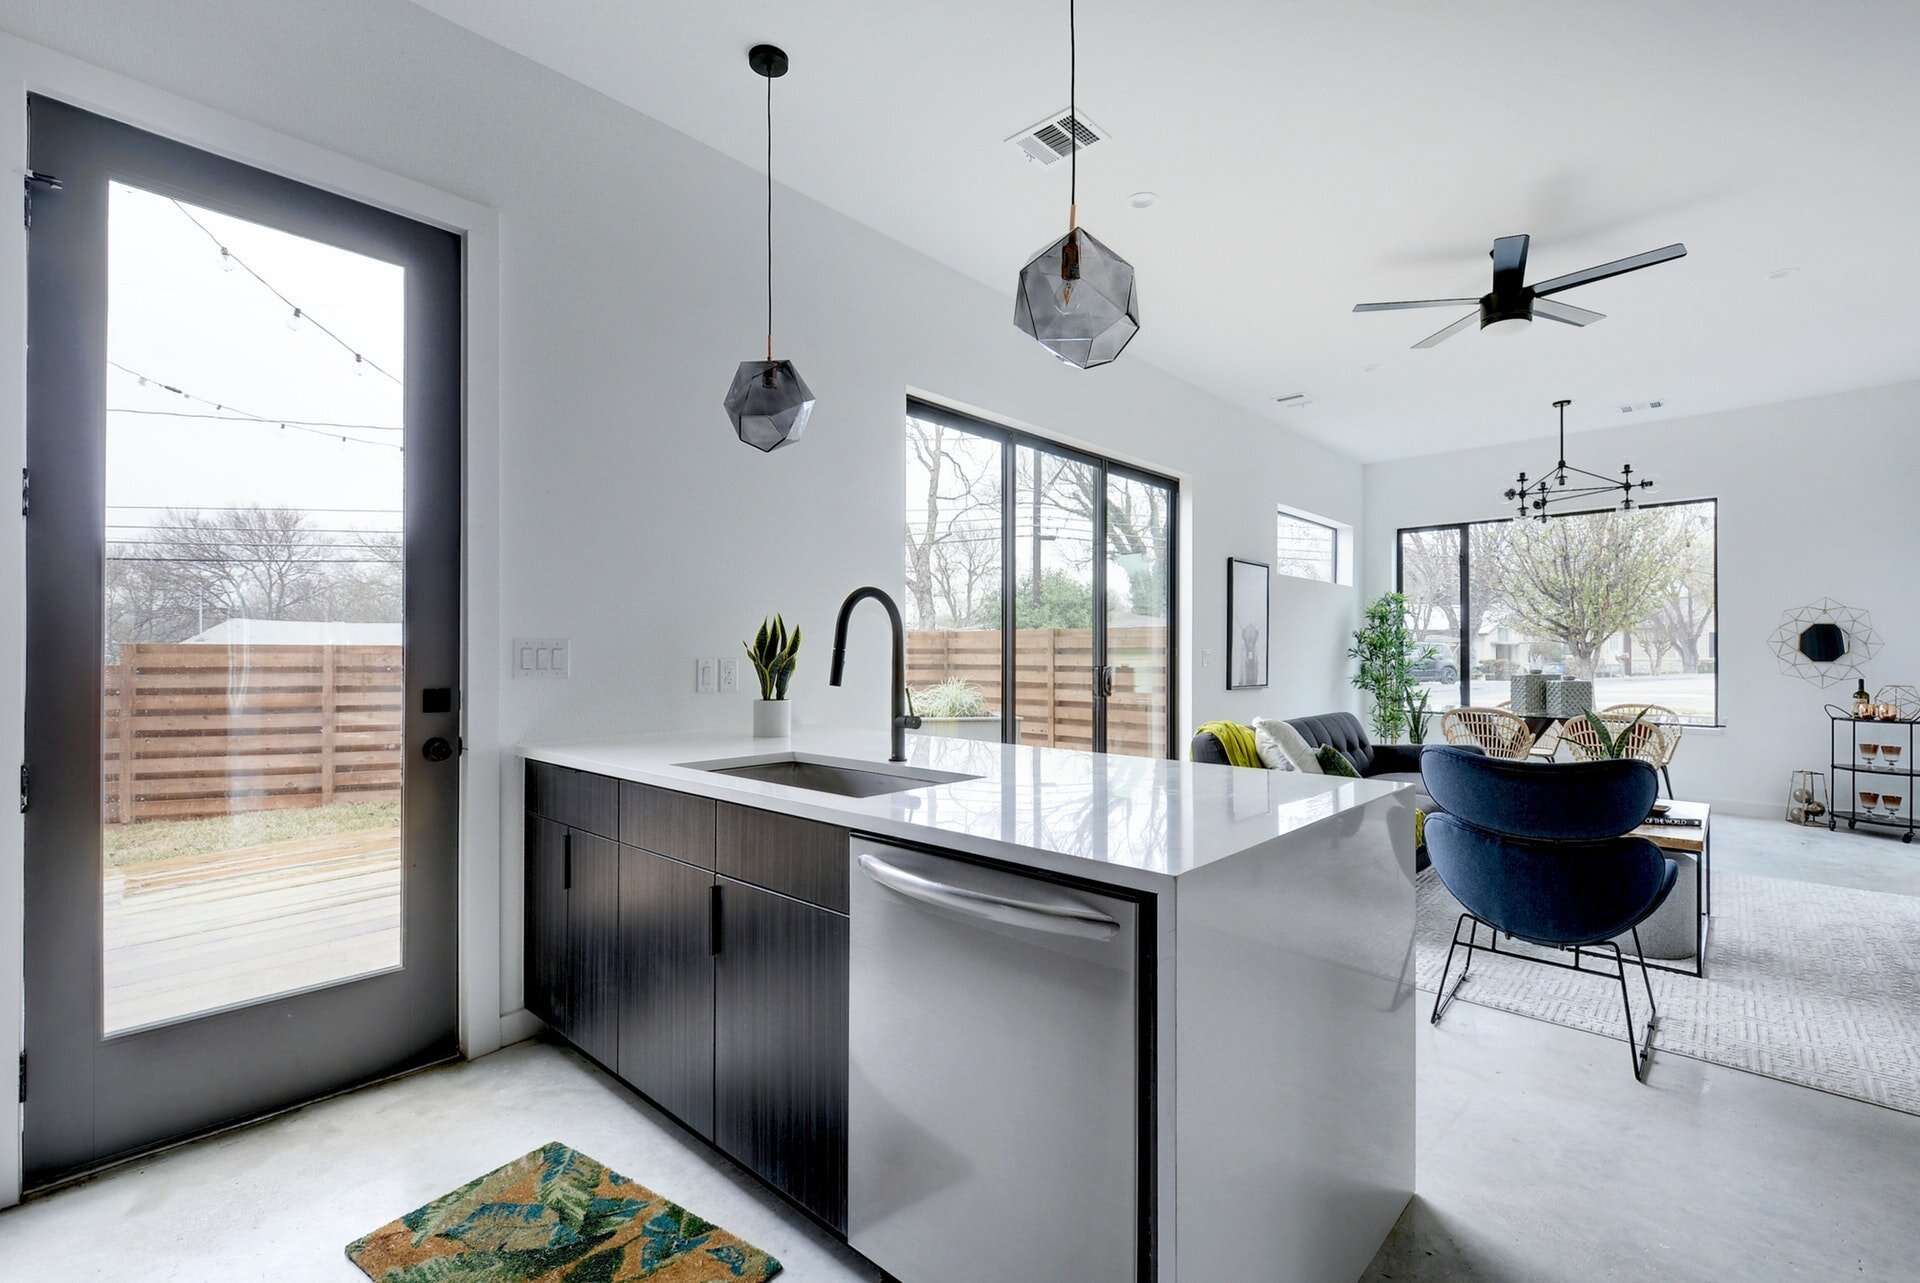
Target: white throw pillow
{"points": [[1293, 745], [1271, 755]]}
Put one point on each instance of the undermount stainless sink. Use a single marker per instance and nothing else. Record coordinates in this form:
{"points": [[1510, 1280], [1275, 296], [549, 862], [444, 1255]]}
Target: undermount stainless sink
{"points": [[831, 777]]}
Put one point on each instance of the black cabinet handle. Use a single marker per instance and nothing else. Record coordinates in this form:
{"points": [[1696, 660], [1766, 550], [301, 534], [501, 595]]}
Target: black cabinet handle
{"points": [[713, 920], [566, 861]]}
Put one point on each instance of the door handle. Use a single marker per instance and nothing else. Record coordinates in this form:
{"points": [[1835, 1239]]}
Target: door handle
{"points": [[1103, 680], [436, 749], [1063, 919]]}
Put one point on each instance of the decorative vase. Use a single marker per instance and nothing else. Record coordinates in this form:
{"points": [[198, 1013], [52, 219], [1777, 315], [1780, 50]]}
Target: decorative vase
{"points": [[772, 719], [1529, 694], [1569, 697]]}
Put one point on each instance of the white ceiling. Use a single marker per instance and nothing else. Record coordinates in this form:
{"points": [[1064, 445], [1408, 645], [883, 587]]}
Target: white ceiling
{"points": [[1309, 156]]}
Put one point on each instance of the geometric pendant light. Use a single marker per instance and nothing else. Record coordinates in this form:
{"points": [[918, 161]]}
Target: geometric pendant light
{"points": [[768, 401], [1076, 296]]}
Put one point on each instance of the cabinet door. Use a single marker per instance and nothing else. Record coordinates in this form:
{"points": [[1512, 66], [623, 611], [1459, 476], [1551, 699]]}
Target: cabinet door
{"points": [[546, 921], [666, 984], [780, 1045], [593, 947]]}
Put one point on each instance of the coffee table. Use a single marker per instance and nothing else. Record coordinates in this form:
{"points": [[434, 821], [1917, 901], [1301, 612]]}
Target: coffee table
{"points": [[1687, 844]]}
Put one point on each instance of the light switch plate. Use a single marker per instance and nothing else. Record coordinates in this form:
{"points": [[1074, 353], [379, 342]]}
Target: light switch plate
{"points": [[705, 678], [541, 656], [729, 675]]}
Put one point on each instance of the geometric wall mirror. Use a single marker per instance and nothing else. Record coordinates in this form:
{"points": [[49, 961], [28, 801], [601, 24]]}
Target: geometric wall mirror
{"points": [[1825, 643]]}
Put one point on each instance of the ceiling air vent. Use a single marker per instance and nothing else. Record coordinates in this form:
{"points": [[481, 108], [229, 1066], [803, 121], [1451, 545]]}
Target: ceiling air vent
{"points": [[1641, 407], [1051, 139], [1293, 400]]}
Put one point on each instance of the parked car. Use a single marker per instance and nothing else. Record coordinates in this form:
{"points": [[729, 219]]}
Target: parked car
{"points": [[1430, 663]]}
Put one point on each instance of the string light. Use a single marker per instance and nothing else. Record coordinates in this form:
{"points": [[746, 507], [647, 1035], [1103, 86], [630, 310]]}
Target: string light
{"points": [[300, 316], [225, 413]]}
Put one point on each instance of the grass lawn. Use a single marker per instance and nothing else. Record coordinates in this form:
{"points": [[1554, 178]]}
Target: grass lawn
{"points": [[130, 844]]}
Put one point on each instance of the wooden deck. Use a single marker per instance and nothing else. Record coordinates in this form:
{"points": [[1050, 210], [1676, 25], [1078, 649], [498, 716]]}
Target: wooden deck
{"points": [[199, 933]]}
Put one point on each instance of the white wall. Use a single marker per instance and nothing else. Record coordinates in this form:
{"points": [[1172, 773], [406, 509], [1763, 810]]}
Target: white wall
{"points": [[1815, 501], [628, 518]]}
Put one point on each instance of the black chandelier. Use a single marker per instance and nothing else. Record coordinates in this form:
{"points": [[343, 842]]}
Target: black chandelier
{"points": [[1563, 481]]}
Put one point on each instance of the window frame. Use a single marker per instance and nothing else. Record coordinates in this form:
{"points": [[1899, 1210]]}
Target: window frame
{"points": [[1011, 440], [1464, 532], [1333, 546]]}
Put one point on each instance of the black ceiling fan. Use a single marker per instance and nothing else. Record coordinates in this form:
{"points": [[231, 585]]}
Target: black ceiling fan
{"points": [[1512, 304]]}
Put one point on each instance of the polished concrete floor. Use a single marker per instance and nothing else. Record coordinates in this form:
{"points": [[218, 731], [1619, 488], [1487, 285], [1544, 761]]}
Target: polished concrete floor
{"points": [[1540, 1158]]}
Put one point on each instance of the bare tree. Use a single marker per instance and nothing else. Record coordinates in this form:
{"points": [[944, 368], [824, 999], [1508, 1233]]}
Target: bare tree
{"points": [[953, 550], [1578, 580]]}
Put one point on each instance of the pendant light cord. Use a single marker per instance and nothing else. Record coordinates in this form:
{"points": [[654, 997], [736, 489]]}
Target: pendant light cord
{"points": [[769, 218], [1073, 119]]}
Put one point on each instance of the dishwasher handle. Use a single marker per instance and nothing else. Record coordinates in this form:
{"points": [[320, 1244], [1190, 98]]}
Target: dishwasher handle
{"points": [[1078, 920]]}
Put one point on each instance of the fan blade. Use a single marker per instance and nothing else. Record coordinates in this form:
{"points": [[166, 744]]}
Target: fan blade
{"points": [[1566, 313], [1419, 302], [1619, 265], [1471, 318], [1509, 263]]}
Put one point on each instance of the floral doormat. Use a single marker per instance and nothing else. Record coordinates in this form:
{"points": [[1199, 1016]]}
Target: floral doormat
{"points": [[556, 1216]]}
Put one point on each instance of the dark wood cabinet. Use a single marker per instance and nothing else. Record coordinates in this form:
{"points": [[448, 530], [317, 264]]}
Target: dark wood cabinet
{"points": [[801, 858], [667, 823], [593, 947], [666, 983], [572, 935], [546, 918], [723, 999], [780, 1045]]}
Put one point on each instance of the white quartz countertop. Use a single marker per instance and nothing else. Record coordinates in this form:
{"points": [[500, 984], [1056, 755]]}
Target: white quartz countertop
{"points": [[1130, 821]]}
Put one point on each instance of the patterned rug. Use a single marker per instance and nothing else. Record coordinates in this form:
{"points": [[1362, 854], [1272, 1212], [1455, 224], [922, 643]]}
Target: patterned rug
{"points": [[1811, 984], [556, 1216]]}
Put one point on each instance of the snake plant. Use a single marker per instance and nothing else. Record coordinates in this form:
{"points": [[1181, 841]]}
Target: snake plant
{"points": [[773, 651], [1614, 747]]}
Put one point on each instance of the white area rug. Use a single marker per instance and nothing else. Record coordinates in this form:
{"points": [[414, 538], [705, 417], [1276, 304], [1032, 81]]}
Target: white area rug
{"points": [[1811, 984]]}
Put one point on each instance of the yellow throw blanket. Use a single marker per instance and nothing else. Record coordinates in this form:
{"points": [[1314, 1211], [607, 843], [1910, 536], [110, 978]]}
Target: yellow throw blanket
{"points": [[1237, 740]]}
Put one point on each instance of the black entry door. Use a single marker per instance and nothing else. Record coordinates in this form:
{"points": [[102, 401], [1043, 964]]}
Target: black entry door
{"points": [[243, 642]]}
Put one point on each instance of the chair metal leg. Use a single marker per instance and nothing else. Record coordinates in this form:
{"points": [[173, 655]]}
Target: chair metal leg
{"points": [[1443, 996], [1668, 777], [1641, 1053]]}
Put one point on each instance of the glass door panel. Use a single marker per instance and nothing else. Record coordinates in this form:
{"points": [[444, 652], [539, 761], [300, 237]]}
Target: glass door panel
{"points": [[1430, 569], [1139, 563], [1056, 584], [251, 764], [954, 598]]}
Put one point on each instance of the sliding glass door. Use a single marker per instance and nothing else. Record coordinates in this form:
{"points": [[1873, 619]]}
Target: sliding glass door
{"points": [[1077, 550]]}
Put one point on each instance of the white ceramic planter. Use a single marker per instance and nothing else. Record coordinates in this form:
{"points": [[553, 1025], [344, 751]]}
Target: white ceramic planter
{"points": [[772, 719]]}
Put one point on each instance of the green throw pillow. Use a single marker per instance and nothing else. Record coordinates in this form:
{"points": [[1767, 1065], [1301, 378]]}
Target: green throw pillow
{"points": [[1334, 762]]}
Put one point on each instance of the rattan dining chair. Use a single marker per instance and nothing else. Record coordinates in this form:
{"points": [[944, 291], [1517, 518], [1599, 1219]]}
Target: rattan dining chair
{"points": [[1652, 740], [1662, 740], [1500, 733]]}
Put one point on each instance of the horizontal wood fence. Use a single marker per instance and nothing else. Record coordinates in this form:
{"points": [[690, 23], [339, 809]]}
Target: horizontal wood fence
{"points": [[192, 731], [1053, 681]]}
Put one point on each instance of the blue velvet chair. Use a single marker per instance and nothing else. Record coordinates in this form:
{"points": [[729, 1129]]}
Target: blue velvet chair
{"points": [[1538, 852]]}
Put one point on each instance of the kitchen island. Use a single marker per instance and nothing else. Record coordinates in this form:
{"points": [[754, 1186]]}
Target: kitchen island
{"points": [[1147, 1019]]}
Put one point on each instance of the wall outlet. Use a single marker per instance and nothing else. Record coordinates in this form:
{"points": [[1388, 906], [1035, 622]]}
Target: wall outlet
{"points": [[1206, 657], [705, 676], [541, 656], [729, 675]]}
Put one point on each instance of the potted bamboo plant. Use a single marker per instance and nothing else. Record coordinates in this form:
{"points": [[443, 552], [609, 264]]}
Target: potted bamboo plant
{"points": [[773, 651]]}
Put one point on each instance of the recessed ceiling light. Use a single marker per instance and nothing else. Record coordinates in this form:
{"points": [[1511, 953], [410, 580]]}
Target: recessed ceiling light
{"points": [[1781, 273], [1372, 369], [1140, 200]]}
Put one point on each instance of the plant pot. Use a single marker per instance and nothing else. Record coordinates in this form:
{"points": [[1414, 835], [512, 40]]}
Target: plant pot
{"points": [[772, 719]]}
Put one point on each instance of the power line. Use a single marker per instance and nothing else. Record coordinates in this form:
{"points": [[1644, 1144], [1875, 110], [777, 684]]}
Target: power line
{"points": [[230, 418], [299, 313], [174, 507], [234, 414]]}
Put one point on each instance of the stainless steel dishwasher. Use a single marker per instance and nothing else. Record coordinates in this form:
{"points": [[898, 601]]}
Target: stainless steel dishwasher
{"points": [[993, 1102]]}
